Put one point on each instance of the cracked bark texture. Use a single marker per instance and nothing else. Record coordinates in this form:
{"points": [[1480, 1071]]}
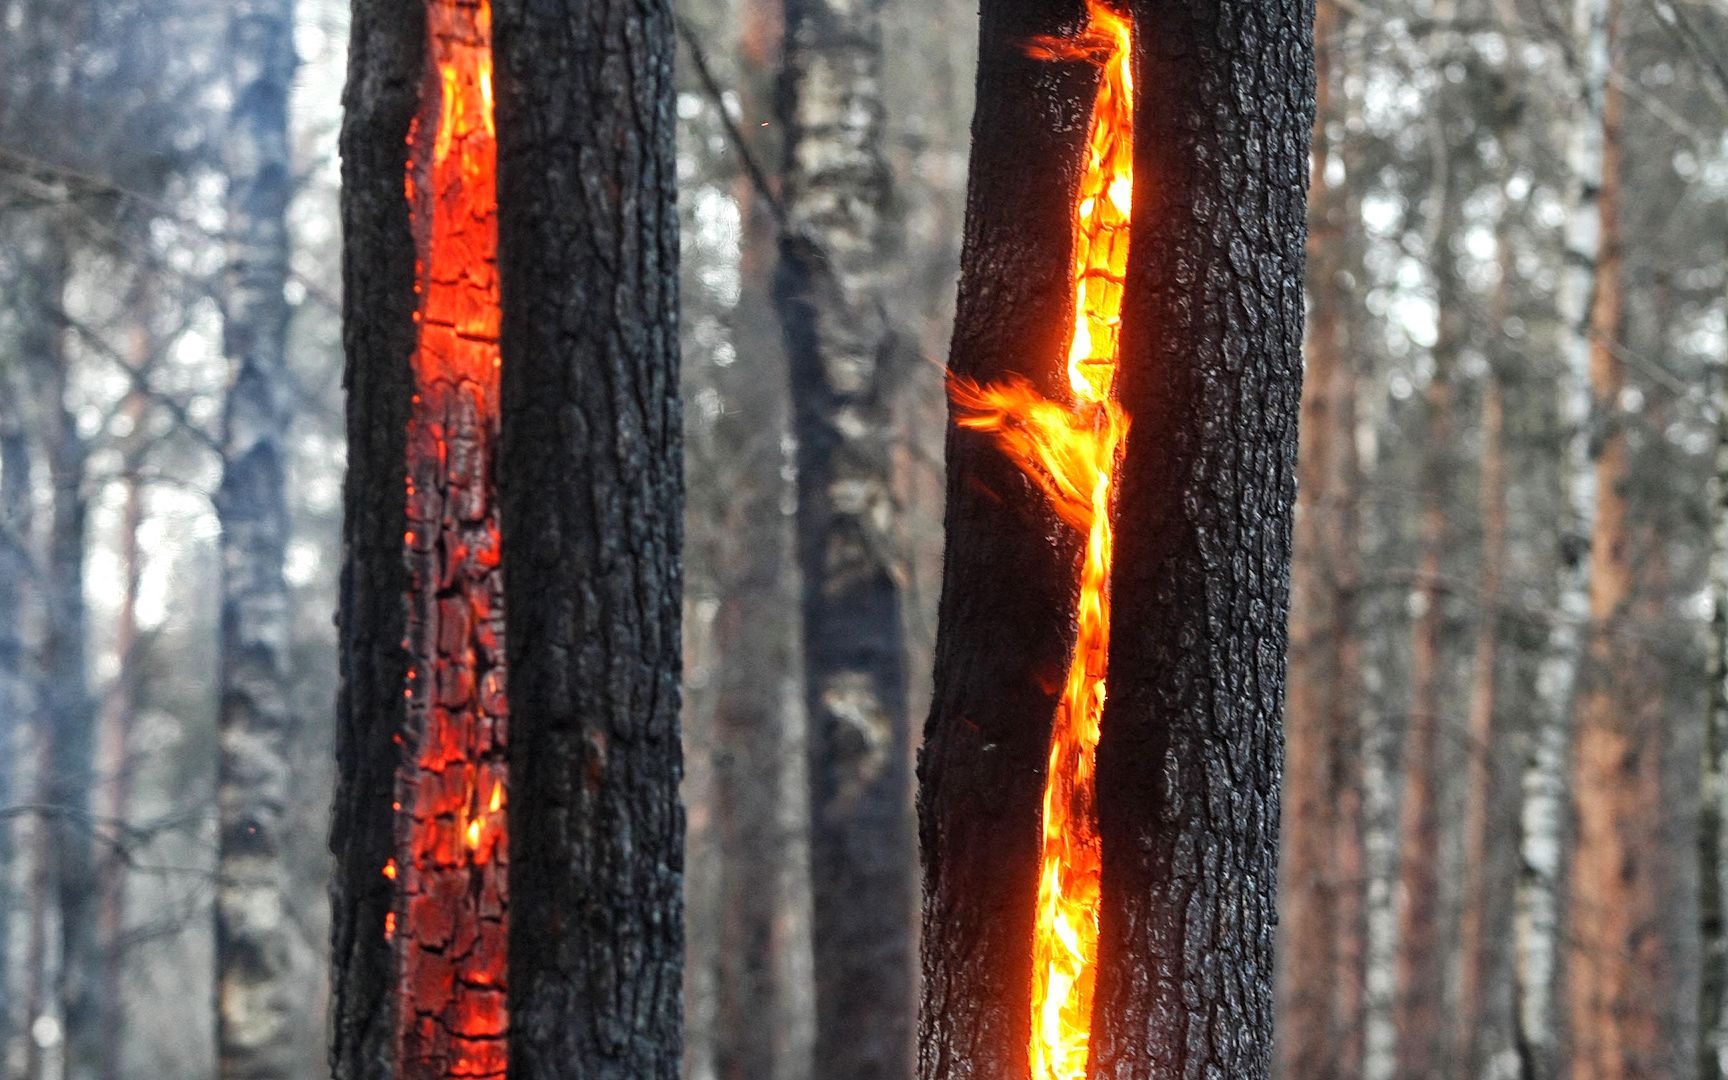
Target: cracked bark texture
{"points": [[386, 66], [834, 256], [1188, 765], [255, 1013], [591, 498]]}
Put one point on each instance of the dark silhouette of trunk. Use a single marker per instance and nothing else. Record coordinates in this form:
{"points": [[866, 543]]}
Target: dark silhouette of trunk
{"points": [[255, 1012], [830, 287], [590, 481], [1321, 960], [1712, 837], [1210, 377]]}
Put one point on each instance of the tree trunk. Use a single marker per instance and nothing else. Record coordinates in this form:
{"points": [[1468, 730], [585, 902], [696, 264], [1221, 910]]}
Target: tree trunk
{"points": [[1621, 974], [255, 1012], [1321, 965], [67, 709], [830, 288], [17, 707], [591, 501], [1546, 780], [1423, 940], [1712, 836], [1187, 766]]}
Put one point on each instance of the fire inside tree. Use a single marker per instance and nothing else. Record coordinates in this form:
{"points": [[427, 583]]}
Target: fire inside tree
{"points": [[1070, 451], [448, 922]]}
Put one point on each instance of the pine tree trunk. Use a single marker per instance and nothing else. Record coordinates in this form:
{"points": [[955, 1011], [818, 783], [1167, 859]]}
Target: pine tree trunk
{"points": [[254, 936], [1712, 837], [1210, 377], [1418, 1006], [591, 497], [1622, 976], [1321, 964], [831, 293]]}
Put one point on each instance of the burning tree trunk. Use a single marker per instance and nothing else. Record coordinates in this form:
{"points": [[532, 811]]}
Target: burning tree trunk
{"points": [[254, 934], [1148, 879], [834, 257], [582, 422]]}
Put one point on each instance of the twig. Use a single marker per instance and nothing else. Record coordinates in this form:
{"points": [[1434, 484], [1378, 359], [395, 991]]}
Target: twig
{"points": [[705, 74]]}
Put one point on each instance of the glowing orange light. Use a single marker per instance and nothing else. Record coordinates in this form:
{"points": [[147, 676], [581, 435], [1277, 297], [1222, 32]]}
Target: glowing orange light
{"points": [[451, 859], [1070, 450], [390, 869]]}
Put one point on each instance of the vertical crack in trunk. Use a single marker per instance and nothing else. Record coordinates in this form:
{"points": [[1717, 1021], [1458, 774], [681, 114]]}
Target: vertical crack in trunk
{"points": [[1070, 450], [448, 921]]}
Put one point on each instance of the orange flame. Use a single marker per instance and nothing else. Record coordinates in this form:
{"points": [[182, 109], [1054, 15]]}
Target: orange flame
{"points": [[1070, 451]]}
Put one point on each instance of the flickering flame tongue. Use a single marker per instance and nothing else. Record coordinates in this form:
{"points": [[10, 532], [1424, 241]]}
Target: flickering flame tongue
{"points": [[1070, 451]]}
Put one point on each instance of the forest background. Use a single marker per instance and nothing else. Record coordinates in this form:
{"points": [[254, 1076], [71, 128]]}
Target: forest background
{"points": [[1510, 623]]}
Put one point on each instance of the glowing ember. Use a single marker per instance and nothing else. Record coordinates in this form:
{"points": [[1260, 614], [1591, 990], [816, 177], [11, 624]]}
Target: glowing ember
{"points": [[1070, 451], [451, 860]]}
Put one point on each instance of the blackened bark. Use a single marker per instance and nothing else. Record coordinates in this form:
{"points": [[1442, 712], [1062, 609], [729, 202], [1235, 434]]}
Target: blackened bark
{"points": [[255, 1009], [1210, 377], [830, 288], [1006, 614], [1188, 762], [591, 498], [385, 64]]}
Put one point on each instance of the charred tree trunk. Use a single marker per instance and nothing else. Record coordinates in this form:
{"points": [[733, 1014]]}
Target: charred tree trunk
{"points": [[591, 499], [1188, 763], [254, 935], [588, 495], [1322, 893], [830, 288]]}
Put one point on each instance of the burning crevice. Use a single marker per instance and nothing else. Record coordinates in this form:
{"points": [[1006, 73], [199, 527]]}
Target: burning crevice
{"points": [[448, 924], [1070, 450]]}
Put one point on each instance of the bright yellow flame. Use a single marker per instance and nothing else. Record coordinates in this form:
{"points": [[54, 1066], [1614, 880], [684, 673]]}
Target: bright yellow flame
{"points": [[474, 835], [1070, 451], [497, 802]]}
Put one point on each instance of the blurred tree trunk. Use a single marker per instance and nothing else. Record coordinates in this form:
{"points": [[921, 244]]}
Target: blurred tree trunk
{"points": [[1621, 971], [1423, 940], [1712, 836], [118, 716], [254, 936], [591, 499], [1210, 377], [1321, 960], [1490, 870], [1546, 779], [17, 706], [67, 710], [835, 249]]}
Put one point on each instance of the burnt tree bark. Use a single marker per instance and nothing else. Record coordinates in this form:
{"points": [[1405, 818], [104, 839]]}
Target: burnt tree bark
{"points": [[591, 498], [1188, 765], [834, 258], [254, 931]]}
